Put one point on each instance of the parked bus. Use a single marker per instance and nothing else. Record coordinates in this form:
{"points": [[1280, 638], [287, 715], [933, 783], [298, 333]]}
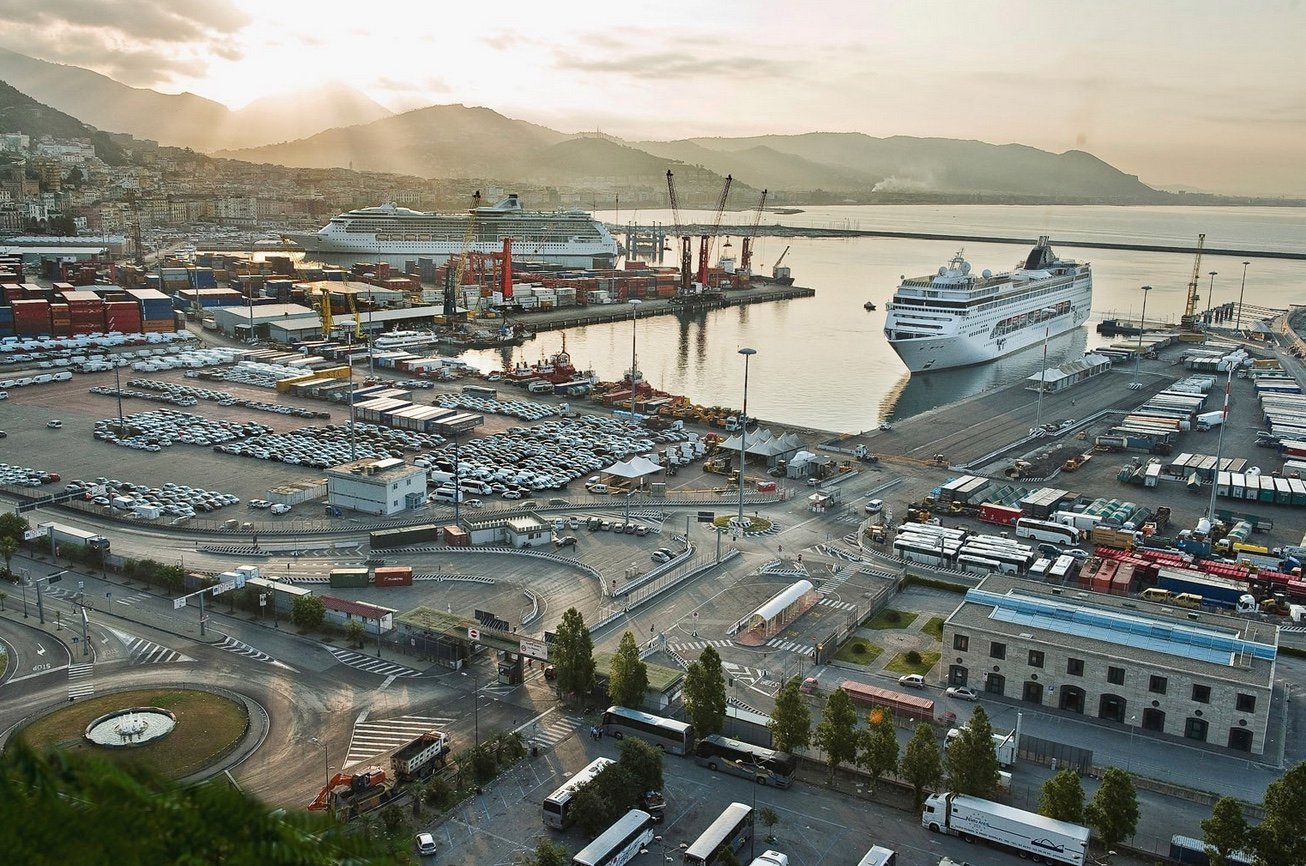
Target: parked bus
{"points": [[557, 806], [731, 831], [1012, 560], [878, 856], [667, 734], [1060, 570], [927, 551], [481, 391], [974, 564], [765, 766], [619, 843], [1046, 530]]}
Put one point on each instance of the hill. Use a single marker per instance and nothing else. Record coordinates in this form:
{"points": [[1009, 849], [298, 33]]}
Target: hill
{"points": [[21, 113], [183, 119]]}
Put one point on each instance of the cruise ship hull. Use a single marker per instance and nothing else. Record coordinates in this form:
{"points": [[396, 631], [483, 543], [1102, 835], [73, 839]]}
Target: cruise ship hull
{"points": [[596, 255], [947, 352]]}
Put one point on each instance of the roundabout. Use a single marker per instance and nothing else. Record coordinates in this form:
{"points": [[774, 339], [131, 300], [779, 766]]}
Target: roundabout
{"points": [[174, 732]]}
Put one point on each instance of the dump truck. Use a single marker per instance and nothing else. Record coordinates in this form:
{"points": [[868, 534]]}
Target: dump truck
{"points": [[420, 757]]}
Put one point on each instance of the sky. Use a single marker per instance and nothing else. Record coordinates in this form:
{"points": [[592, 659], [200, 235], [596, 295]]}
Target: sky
{"points": [[1187, 94]]}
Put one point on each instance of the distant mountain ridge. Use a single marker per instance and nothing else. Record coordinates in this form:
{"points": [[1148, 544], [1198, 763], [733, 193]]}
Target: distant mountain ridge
{"points": [[21, 113], [184, 119]]}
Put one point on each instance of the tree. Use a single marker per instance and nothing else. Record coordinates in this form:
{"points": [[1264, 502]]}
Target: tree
{"points": [[547, 853], [172, 577], [600, 802], [354, 632], [769, 818], [3, 595], [628, 678], [836, 735], [705, 693], [573, 655], [921, 765], [307, 611], [791, 720], [644, 763], [8, 547], [1278, 840], [971, 760], [877, 746], [1062, 797], [1225, 831], [12, 526], [1113, 811]]}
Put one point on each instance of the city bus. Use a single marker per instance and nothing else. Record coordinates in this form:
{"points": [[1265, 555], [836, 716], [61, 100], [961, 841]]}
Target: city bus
{"points": [[669, 735], [764, 766], [731, 831], [978, 564], [878, 856], [619, 843], [1046, 530], [557, 806]]}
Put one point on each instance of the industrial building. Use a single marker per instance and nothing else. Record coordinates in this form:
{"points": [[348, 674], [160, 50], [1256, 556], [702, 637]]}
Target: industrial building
{"points": [[376, 486], [307, 324], [1194, 675]]}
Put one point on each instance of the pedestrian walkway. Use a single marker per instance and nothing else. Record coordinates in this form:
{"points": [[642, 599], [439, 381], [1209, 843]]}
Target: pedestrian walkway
{"points": [[371, 664], [146, 652], [134, 598], [838, 579], [839, 605], [81, 680], [370, 739], [700, 645], [548, 734], [240, 648]]}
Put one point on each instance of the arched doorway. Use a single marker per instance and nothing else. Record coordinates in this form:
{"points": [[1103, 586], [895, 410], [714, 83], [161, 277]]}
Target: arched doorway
{"points": [[995, 684], [1032, 692], [1240, 739], [1072, 699], [1111, 708], [1195, 728], [1153, 720]]}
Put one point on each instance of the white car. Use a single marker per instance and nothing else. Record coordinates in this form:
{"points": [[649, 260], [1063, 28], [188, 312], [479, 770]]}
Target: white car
{"points": [[875, 506], [425, 844], [963, 693], [912, 681]]}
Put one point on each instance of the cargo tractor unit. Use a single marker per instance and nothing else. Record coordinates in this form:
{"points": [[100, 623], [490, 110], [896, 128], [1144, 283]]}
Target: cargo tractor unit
{"points": [[1026, 834]]}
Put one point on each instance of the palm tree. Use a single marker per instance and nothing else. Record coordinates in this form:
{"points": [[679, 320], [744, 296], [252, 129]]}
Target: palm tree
{"points": [[8, 547]]}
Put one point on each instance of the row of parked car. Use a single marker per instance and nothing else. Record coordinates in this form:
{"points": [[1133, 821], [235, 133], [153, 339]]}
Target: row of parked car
{"points": [[222, 398], [143, 501], [25, 476], [526, 410], [164, 427]]}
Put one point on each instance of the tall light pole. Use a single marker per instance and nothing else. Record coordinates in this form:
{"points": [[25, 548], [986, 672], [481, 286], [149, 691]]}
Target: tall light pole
{"points": [[1209, 292], [634, 317], [476, 706], [1238, 326], [326, 766], [1142, 324], [743, 433], [1043, 373]]}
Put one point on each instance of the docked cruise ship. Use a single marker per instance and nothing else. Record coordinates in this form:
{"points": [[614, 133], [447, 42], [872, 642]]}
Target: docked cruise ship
{"points": [[955, 318], [568, 237]]}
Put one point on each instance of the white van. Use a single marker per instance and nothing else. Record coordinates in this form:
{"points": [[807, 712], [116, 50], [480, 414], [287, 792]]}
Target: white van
{"points": [[474, 485], [597, 489], [447, 495], [440, 479]]}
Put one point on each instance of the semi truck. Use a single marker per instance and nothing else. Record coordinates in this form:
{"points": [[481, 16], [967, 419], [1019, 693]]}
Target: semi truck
{"points": [[1004, 746], [420, 757], [1024, 833]]}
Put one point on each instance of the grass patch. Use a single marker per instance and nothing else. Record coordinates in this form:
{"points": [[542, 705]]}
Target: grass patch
{"points": [[934, 628], [891, 618], [755, 523], [207, 727], [933, 583], [859, 652], [899, 664]]}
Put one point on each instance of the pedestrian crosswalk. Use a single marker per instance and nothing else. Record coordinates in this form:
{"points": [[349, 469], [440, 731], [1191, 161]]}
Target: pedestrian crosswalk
{"points": [[81, 680], [240, 648], [370, 739], [837, 553], [700, 645], [838, 579], [371, 664], [134, 598], [146, 652], [548, 733], [839, 605], [792, 646], [747, 676]]}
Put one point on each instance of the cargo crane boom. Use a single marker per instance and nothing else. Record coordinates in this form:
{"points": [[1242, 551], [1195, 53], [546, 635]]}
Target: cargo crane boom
{"points": [[469, 239], [746, 254], [325, 311], [1189, 320], [686, 249], [705, 241]]}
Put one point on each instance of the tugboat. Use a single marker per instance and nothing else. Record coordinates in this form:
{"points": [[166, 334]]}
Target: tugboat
{"points": [[869, 306]]}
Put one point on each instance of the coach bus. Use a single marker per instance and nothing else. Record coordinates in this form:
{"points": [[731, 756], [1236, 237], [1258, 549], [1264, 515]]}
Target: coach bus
{"points": [[557, 806], [619, 843], [744, 759], [731, 831], [669, 735], [1046, 530]]}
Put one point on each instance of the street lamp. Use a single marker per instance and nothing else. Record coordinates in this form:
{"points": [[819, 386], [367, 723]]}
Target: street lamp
{"points": [[743, 433], [476, 708], [1142, 323], [1238, 326], [634, 317], [1209, 293], [1043, 372], [326, 766]]}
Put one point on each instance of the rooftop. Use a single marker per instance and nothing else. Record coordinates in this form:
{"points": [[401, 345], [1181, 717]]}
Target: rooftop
{"points": [[379, 471]]}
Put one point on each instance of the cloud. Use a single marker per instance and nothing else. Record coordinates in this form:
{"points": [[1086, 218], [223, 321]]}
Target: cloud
{"points": [[137, 42], [670, 64]]}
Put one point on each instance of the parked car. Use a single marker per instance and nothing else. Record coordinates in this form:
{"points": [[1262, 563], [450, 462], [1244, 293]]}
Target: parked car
{"points": [[663, 554], [54, 424], [809, 686], [963, 693], [912, 681], [874, 506], [425, 844]]}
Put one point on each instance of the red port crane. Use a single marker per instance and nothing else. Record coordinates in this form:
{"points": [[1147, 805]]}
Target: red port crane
{"points": [[746, 254], [705, 241]]}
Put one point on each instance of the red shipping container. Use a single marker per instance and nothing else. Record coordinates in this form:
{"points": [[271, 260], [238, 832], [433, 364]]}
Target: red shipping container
{"points": [[393, 575]]}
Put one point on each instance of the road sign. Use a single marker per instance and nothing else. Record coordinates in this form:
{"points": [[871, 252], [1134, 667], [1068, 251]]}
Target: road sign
{"points": [[179, 603], [535, 649], [473, 634], [225, 586], [706, 516], [38, 532]]}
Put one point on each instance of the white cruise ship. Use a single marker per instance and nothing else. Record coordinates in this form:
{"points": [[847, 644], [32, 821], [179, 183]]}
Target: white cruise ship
{"points": [[955, 318], [391, 340], [569, 237]]}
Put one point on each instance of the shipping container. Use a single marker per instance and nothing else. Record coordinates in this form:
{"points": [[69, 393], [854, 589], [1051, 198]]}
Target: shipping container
{"points": [[349, 577]]}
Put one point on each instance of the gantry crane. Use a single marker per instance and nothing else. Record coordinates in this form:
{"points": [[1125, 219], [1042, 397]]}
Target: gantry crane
{"points": [[746, 253], [1190, 319], [453, 271], [705, 241], [325, 311], [686, 249], [358, 324]]}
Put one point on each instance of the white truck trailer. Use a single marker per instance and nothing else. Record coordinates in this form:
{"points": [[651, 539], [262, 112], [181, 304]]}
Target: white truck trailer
{"points": [[1024, 833], [1004, 746]]}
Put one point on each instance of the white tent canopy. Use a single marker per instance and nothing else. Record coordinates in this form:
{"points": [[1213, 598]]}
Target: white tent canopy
{"points": [[779, 603], [635, 467], [763, 443]]}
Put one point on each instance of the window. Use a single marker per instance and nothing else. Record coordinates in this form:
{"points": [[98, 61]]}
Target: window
{"points": [[1202, 694], [961, 642], [1157, 684], [1195, 729], [1115, 676], [1036, 658], [1246, 703], [1075, 667], [997, 650]]}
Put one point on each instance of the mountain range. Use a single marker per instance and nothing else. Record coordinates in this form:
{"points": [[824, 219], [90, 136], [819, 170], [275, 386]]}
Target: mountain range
{"points": [[337, 127]]}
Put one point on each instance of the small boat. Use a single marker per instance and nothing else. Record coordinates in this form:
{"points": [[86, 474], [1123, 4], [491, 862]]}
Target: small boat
{"points": [[869, 305]]}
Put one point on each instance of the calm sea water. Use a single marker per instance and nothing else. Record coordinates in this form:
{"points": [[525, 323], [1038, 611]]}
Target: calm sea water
{"points": [[823, 362]]}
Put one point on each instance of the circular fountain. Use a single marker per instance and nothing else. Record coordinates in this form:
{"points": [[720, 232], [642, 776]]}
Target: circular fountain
{"points": [[133, 726]]}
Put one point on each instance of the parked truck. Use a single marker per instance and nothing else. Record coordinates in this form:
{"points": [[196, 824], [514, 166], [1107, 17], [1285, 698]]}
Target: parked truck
{"points": [[420, 757], [1024, 833], [1004, 746]]}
